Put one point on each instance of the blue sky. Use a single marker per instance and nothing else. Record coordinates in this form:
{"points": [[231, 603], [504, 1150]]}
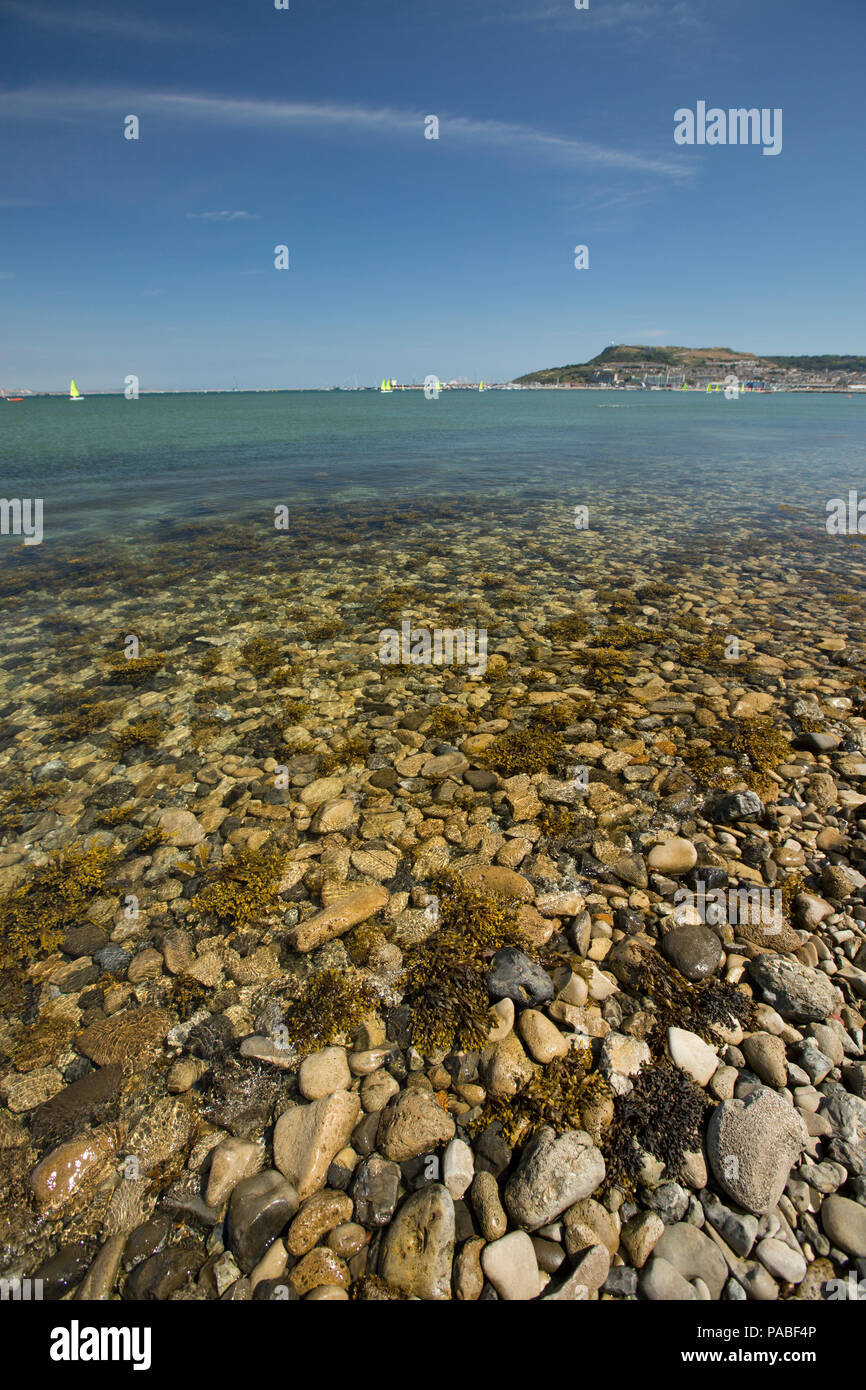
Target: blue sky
{"points": [[305, 127]]}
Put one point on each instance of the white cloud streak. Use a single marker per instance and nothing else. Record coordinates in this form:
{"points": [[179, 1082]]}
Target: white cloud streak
{"points": [[248, 113], [224, 216], [119, 26]]}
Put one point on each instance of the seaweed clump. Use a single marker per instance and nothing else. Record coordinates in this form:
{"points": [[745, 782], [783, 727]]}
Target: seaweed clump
{"points": [[35, 914], [241, 893], [569, 629], [556, 821], [265, 659], [606, 666], [560, 1095], [26, 798], [354, 749], [701, 1008], [135, 670], [533, 749], [445, 977], [763, 744], [661, 1115], [445, 720], [142, 733], [332, 1005]]}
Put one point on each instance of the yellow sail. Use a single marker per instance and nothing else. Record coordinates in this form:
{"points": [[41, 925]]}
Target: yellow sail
{"points": [[74, 393]]}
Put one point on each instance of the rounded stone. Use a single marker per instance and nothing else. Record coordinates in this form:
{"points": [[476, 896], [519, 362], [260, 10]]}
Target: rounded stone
{"points": [[320, 1267], [674, 856], [765, 1055], [324, 1072], [694, 1256], [844, 1224], [319, 1215], [695, 951], [554, 1172], [513, 975], [781, 1260], [512, 1267], [411, 1124], [542, 1038]]}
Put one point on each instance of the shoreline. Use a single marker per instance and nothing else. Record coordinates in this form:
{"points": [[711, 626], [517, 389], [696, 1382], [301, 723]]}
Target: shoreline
{"points": [[284, 808]]}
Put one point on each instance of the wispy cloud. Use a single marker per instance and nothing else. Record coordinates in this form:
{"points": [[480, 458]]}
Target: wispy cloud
{"points": [[117, 25], [509, 137], [641, 19], [224, 216]]}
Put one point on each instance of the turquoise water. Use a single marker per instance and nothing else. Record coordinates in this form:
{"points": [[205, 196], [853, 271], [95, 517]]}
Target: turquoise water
{"points": [[119, 468]]}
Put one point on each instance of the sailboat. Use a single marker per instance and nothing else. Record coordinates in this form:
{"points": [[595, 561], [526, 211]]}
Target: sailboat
{"points": [[74, 393], [386, 385], [481, 386]]}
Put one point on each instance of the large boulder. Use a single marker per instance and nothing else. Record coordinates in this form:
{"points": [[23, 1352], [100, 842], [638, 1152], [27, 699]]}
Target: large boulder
{"points": [[752, 1146]]}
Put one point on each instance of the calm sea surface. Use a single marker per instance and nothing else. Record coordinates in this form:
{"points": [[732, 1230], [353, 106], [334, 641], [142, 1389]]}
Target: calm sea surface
{"points": [[122, 469]]}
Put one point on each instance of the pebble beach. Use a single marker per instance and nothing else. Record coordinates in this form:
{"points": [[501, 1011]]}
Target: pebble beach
{"points": [[325, 978]]}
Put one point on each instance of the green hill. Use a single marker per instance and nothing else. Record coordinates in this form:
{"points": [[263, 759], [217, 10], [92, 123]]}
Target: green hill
{"points": [[635, 358]]}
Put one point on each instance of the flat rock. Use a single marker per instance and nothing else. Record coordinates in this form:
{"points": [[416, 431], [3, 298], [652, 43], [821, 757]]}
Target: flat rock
{"points": [[621, 1057], [132, 1039], [752, 1146], [308, 1137], [692, 1055], [662, 1283], [181, 827], [794, 990], [336, 920], [694, 1256], [418, 1247], [494, 878], [70, 1173], [553, 1173], [674, 856]]}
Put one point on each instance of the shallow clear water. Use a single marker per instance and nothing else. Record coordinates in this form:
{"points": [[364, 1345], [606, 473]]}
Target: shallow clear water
{"points": [[119, 469]]}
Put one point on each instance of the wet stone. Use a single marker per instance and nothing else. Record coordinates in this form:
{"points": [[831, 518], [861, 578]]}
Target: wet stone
{"points": [[260, 1209], [695, 951], [514, 976], [163, 1274], [63, 1271], [377, 1182]]}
